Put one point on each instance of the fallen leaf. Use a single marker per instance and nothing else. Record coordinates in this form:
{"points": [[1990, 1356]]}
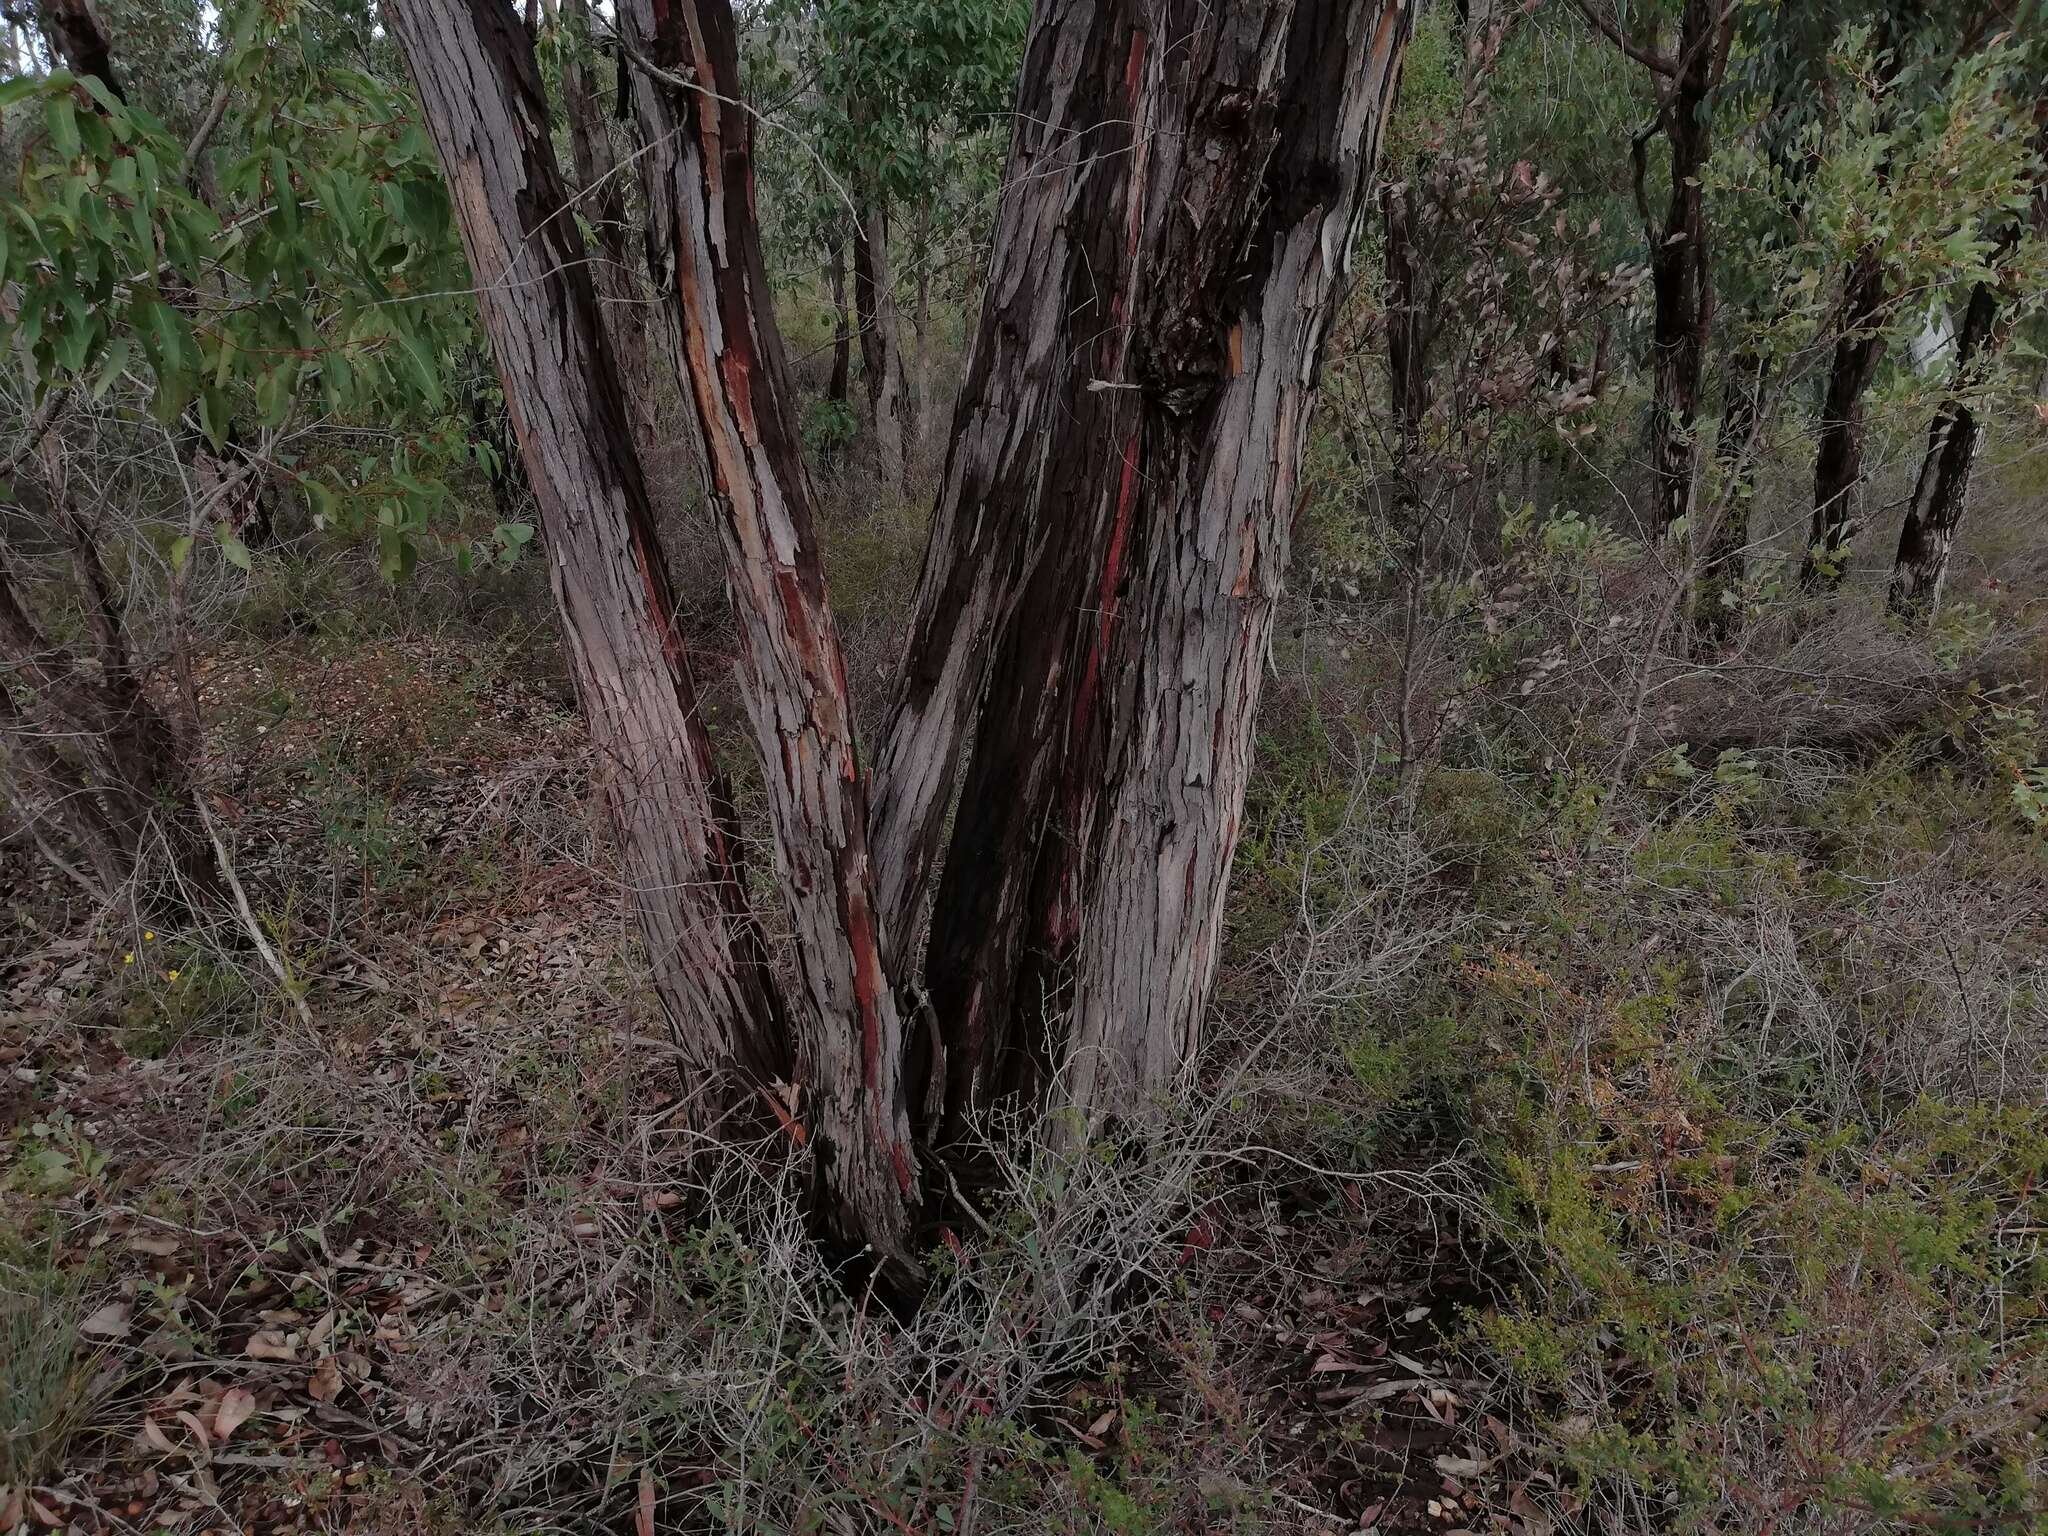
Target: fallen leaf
{"points": [[643, 1517], [237, 1405], [1461, 1466], [269, 1344], [324, 1385], [110, 1322]]}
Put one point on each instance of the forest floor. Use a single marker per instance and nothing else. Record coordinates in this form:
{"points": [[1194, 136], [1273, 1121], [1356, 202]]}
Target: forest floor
{"points": [[1582, 1152]]}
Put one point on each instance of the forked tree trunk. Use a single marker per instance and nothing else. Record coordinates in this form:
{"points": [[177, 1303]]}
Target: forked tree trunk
{"points": [[881, 346], [1838, 457], [1184, 186], [601, 199], [698, 169], [481, 94]]}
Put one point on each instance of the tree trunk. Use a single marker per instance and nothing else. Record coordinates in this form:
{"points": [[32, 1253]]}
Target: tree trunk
{"points": [[1941, 494], [881, 348], [1724, 566], [1681, 273], [921, 322], [481, 94], [601, 199], [1838, 460], [95, 750], [1184, 185], [1407, 322], [842, 322], [850, 1037], [1942, 489]]}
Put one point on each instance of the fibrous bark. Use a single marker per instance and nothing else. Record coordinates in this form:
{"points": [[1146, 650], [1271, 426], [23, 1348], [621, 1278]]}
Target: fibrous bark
{"points": [[1181, 197], [698, 170], [601, 198], [482, 98]]}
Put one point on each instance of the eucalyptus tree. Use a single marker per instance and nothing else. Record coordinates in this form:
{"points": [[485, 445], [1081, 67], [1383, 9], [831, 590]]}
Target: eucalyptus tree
{"points": [[1184, 184], [188, 336]]}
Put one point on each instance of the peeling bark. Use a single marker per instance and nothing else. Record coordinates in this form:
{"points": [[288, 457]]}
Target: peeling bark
{"points": [[482, 98], [698, 166], [601, 199], [1181, 197]]}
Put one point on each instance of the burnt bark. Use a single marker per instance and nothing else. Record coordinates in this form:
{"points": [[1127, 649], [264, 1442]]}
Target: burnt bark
{"points": [[481, 95], [1942, 489], [1941, 493], [850, 1041], [1838, 457]]}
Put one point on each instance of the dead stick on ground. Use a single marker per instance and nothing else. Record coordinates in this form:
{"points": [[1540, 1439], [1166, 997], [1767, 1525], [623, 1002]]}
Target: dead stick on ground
{"points": [[248, 916]]}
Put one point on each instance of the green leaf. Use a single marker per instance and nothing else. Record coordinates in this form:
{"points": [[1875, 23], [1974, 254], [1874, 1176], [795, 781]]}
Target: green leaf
{"points": [[181, 551], [234, 549], [60, 116], [112, 363]]}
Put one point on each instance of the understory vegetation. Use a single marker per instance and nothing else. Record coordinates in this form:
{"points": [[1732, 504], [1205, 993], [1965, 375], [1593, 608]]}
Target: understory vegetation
{"points": [[1621, 1103]]}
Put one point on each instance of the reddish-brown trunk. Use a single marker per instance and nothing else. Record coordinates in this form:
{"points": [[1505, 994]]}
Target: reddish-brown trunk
{"points": [[481, 94], [698, 170]]}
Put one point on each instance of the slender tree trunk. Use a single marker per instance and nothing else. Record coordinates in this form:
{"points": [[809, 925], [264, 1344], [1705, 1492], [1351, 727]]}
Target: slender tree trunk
{"points": [[481, 94], [1115, 519], [881, 347], [1681, 273], [601, 199], [1941, 492], [850, 1037], [1838, 460], [1407, 322], [1725, 560], [842, 322], [921, 321]]}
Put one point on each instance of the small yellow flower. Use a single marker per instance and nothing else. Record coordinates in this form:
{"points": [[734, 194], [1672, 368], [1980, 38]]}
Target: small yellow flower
{"points": [[129, 958], [174, 975], [148, 934]]}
